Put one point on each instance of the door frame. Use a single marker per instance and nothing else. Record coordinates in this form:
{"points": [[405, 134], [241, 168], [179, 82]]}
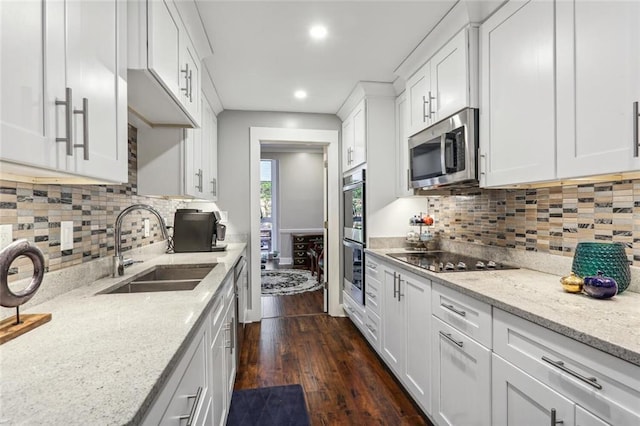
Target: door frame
{"points": [[325, 138]]}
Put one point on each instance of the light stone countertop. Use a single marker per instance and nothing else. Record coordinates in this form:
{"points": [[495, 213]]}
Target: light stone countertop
{"points": [[102, 359], [612, 326]]}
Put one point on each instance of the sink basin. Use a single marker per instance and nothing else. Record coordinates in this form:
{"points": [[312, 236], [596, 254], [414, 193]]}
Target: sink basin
{"points": [[175, 272], [164, 278]]}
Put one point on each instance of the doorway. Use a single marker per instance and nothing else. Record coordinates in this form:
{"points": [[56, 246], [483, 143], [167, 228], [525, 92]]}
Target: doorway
{"points": [[292, 203], [269, 241], [328, 139]]}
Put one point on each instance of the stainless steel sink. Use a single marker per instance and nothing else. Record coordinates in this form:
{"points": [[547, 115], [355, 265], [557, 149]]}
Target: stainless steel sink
{"points": [[163, 278]]}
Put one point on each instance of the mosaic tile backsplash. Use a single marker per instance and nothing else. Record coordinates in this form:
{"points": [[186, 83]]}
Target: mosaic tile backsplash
{"points": [[550, 220], [35, 213]]}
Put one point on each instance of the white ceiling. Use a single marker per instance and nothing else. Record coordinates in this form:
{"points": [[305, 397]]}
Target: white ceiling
{"points": [[263, 53]]}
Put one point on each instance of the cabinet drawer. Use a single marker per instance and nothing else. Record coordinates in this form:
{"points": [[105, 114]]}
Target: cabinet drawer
{"points": [[191, 390], [300, 254], [355, 312], [372, 268], [299, 261], [299, 246], [299, 239], [605, 385], [372, 329], [372, 295], [464, 313]]}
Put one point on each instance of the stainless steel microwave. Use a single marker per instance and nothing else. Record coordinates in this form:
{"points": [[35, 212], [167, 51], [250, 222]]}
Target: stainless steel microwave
{"points": [[446, 154]]}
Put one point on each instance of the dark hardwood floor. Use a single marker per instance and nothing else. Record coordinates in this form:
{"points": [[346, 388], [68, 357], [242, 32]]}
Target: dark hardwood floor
{"points": [[309, 303], [345, 383]]}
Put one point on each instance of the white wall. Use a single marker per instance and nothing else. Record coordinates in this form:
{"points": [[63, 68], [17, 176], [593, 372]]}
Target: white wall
{"points": [[233, 156], [300, 194]]}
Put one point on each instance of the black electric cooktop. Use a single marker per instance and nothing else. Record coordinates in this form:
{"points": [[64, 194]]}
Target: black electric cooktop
{"points": [[443, 261]]}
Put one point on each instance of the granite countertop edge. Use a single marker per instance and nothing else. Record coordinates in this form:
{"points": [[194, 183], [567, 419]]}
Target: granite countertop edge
{"points": [[449, 280]]}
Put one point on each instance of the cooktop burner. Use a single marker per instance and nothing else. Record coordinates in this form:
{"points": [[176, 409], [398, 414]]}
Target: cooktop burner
{"points": [[443, 261]]}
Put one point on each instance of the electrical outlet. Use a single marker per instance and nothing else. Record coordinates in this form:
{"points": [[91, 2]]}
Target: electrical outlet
{"points": [[146, 227], [66, 235], [6, 235]]}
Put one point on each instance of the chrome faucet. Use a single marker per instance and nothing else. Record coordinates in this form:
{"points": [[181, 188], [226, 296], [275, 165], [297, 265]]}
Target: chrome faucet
{"points": [[118, 261]]}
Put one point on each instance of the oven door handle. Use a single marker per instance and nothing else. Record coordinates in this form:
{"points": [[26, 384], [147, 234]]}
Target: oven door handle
{"points": [[353, 244]]}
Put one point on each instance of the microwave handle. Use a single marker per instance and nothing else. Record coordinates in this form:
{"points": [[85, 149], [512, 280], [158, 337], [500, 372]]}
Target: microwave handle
{"points": [[443, 159]]}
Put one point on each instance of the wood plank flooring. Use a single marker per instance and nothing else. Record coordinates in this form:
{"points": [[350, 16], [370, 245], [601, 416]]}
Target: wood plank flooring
{"points": [[309, 303], [345, 382]]}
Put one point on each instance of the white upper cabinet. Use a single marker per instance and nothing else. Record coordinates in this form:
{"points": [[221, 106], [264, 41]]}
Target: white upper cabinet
{"points": [[403, 188], [598, 83], [559, 96], [64, 105], [517, 115], [178, 162], [419, 94], [164, 68], [446, 84], [354, 137]]}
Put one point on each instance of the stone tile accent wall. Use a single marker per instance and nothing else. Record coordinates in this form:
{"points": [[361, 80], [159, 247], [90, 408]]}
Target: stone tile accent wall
{"points": [[35, 213], [551, 220]]}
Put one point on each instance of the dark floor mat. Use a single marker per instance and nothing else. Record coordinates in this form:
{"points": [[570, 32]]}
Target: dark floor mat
{"points": [[275, 405]]}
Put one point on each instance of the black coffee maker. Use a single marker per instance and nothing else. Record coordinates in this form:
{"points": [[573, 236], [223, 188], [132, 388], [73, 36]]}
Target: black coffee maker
{"points": [[196, 231]]}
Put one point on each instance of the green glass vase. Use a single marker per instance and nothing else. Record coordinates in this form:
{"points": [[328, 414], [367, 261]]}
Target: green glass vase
{"points": [[610, 258]]}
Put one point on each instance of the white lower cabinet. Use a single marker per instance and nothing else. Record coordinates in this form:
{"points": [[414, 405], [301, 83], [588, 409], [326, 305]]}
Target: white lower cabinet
{"points": [[605, 388], [521, 400], [406, 319], [461, 378], [198, 392]]}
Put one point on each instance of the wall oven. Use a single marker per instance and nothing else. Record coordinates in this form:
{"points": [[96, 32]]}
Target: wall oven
{"points": [[353, 191], [353, 198], [353, 280], [445, 154]]}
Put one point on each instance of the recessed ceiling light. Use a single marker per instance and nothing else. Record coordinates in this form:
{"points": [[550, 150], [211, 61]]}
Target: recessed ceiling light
{"points": [[318, 32], [300, 94]]}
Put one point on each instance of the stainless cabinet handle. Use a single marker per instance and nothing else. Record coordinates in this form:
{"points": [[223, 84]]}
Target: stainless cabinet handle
{"points": [[408, 179], [555, 422], [454, 310], [399, 287], [185, 71], [214, 185], [371, 328], [483, 166], [372, 265], [431, 99], [636, 142], [233, 334], [424, 108], [371, 294], [450, 338], [190, 86], [199, 184], [192, 413], [85, 127], [68, 99], [560, 364], [395, 291]]}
